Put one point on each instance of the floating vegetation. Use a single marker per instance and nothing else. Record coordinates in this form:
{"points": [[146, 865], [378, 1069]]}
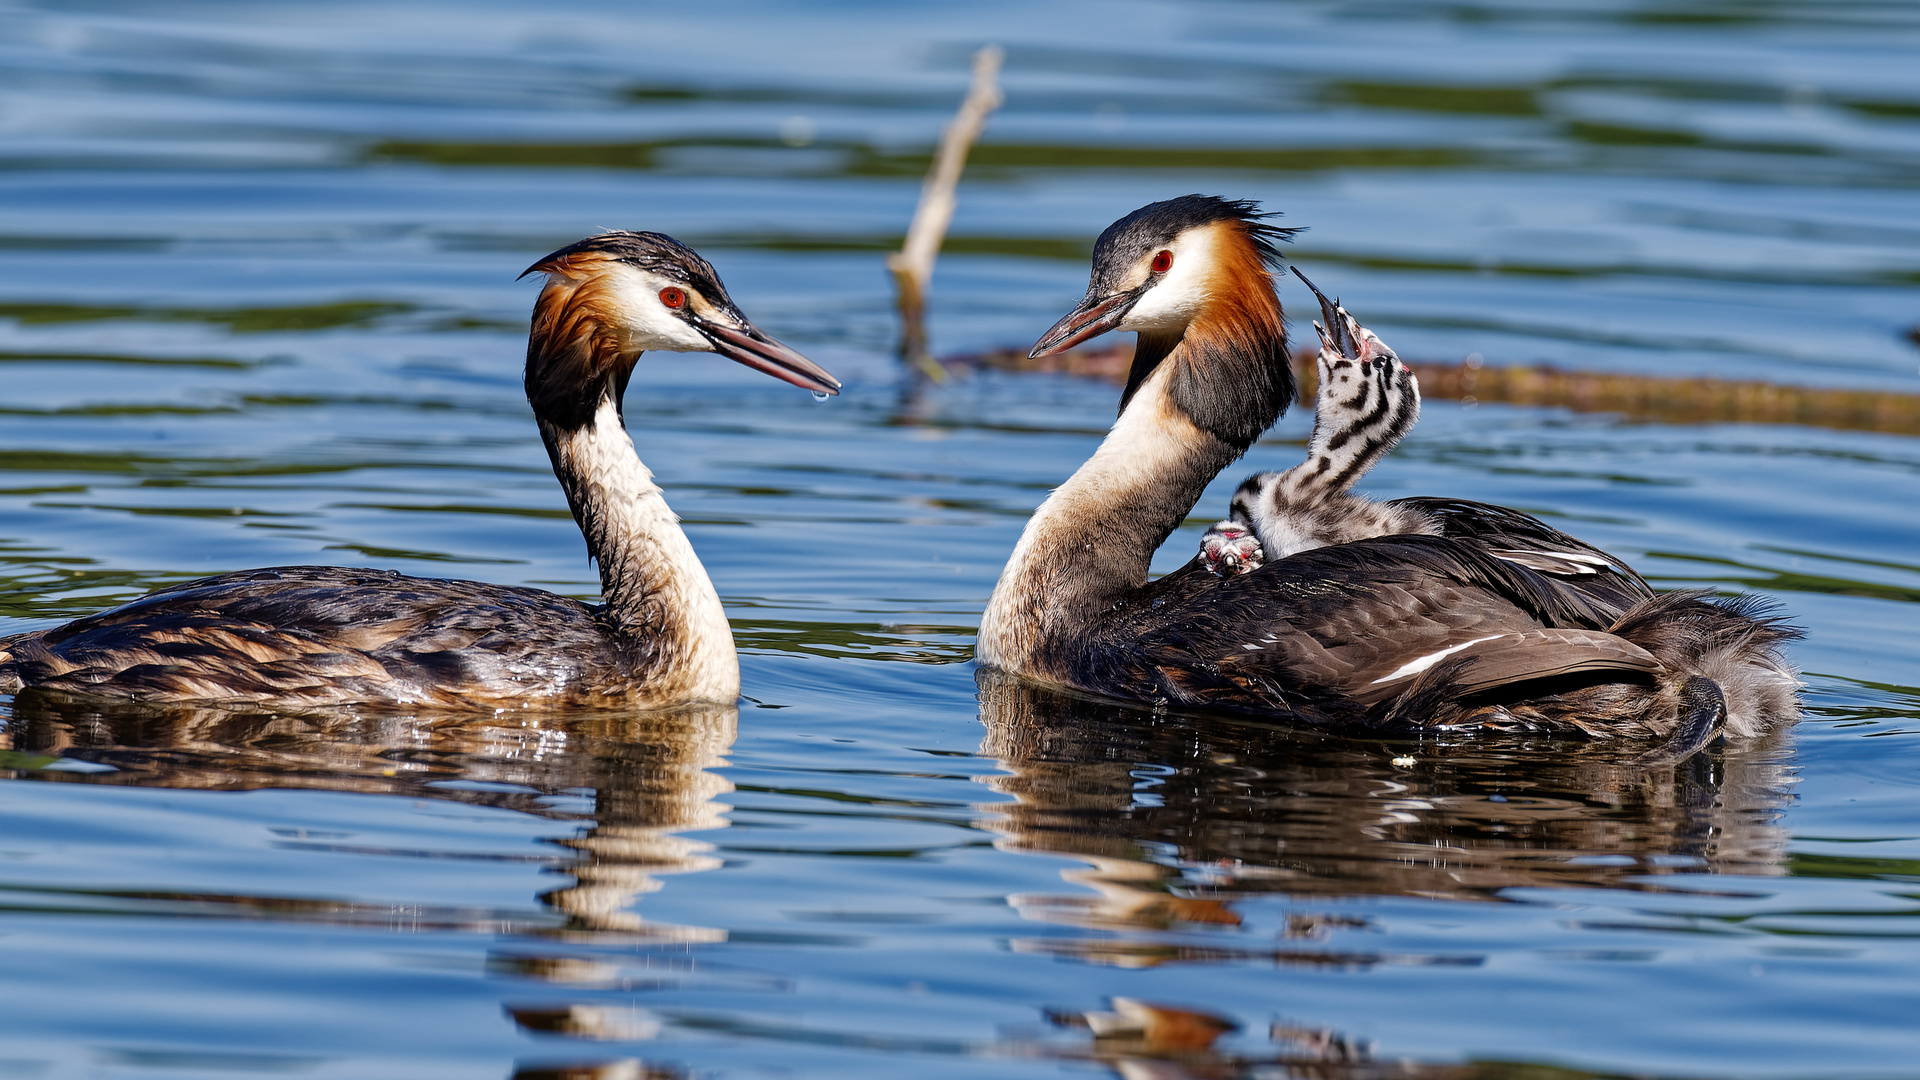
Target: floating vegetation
{"points": [[1667, 399]]}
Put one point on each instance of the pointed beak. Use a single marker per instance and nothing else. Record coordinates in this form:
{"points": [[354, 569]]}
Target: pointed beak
{"points": [[761, 353], [1091, 319], [1335, 332]]}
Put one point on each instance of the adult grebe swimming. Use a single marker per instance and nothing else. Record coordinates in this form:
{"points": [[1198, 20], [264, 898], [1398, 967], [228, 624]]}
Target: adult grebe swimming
{"points": [[1399, 631], [320, 635]]}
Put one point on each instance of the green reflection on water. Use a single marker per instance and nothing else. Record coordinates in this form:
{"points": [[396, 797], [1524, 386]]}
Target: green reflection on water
{"points": [[1479, 100], [38, 357], [239, 320], [1857, 867], [1771, 579], [867, 641], [861, 159]]}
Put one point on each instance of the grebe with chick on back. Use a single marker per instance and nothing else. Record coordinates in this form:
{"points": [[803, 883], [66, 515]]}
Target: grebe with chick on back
{"points": [[322, 635], [1397, 632]]}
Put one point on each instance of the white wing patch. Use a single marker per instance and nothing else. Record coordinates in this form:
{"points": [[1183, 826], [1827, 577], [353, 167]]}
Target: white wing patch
{"points": [[1416, 666], [1555, 562]]}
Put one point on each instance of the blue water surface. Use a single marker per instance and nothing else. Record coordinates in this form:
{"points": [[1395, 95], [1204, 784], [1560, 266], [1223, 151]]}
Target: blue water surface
{"points": [[258, 306]]}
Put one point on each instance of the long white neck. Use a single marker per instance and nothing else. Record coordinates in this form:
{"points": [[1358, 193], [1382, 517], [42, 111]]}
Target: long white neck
{"points": [[1091, 542], [656, 591]]}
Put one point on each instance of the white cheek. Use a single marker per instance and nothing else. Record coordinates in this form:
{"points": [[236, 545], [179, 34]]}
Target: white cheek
{"points": [[649, 324], [1170, 305], [1183, 291]]}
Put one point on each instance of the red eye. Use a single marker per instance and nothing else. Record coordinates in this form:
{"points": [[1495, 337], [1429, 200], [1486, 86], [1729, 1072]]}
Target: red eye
{"points": [[672, 297], [1163, 262]]}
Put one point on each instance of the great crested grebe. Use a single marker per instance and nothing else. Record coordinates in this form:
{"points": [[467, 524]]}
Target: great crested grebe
{"points": [[321, 635], [1398, 631]]}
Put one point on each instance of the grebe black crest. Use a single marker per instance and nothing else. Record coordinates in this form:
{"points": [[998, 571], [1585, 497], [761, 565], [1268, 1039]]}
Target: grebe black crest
{"points": [[1490, 622], [1366, 403], [318, 635]]}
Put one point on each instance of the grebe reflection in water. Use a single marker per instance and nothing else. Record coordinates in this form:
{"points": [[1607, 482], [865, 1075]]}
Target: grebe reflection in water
{"points": [[1182, 821]]}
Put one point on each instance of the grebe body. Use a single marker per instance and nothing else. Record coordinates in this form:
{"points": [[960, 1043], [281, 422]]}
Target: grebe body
{"points": [[1395, 631], [315, 635]]}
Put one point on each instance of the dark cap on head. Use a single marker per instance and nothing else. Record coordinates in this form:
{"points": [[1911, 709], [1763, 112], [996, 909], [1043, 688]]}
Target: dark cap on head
{"points": [[653, 251], [1125, 242]]}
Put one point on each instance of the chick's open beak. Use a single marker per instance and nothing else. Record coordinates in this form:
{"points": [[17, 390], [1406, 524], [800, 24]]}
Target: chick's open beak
{"points": [[1334, 333], [1091, 319], [747, 345]]}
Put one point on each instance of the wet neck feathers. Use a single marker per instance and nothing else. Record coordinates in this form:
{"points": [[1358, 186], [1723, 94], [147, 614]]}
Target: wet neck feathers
{"points": [[1210, 373], [1089, 544], [657, 594]]}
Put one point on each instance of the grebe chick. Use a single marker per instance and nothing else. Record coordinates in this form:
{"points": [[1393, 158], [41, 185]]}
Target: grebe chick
{"points": [[1275, 514], [1366, 403], [1392, 632], [319, 635]]}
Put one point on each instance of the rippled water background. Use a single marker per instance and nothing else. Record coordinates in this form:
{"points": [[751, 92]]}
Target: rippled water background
{"points": [[257, 306]]}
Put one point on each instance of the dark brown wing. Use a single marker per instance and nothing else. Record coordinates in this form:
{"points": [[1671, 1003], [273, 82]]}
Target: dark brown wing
{"points": [[326, 635], [1335, 634], [1527, 541]]}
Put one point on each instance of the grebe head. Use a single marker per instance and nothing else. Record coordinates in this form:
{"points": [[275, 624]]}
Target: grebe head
{"points": [[1343, 338], [1194, 276], [611, 297], [1164, 266]]}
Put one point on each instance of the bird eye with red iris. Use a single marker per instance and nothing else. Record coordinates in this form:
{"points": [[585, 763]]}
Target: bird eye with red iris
{"points": [[1163, 262], [672, 297]]}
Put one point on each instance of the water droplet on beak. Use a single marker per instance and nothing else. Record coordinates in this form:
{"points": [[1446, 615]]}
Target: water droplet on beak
{"points": [[821, 395]]}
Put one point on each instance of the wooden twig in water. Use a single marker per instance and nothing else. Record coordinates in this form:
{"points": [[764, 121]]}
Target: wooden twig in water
{"points": [[1665, 399], [1674, 400], [912, 265]]}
